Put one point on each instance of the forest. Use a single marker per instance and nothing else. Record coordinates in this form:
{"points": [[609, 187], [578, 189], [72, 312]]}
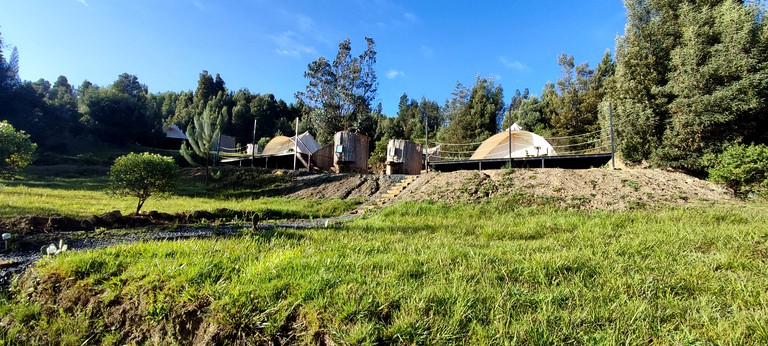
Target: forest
{"points": [[687, 80]]}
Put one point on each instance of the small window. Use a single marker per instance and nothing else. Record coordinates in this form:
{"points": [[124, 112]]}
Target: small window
{"points": [[339, 148]]}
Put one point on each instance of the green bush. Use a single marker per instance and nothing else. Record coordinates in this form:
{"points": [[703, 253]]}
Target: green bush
{"points": [[379, 154], [143, 175], [743, 169], [16, 150]]}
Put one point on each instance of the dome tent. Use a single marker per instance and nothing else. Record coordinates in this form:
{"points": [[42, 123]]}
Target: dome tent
{"points": [[524, 144], [283, 145]]}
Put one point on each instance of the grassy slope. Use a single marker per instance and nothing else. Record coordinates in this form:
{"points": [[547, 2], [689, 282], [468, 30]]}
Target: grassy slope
{"points": [[424, 273], [72, 192]]}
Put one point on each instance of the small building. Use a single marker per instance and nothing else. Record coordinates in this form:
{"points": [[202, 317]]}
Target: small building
{"points": [[323, 157], [350, 152], [403, 157], [173, 138]]}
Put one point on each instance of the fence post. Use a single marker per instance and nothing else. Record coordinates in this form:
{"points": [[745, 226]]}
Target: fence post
{"points": [[296, 144], [613, 146], [426, 141], [253, 144]]}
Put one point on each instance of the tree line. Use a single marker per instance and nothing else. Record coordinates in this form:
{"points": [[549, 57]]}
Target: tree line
{"points": [[688, 80]]}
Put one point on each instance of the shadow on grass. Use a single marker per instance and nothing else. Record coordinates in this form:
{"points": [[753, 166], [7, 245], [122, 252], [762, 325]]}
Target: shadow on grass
{"points": [[13, 211]]}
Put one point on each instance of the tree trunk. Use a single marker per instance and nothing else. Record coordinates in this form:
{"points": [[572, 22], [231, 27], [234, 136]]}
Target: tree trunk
{"points": [[138, 207]]}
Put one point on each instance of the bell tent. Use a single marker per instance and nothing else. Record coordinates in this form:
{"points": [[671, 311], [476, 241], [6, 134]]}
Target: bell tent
{"points": [[523, 143], [283, 145]]}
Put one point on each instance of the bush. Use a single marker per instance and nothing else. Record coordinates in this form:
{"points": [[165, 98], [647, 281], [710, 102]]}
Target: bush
{"points": [[143, 175], [16, 150], [743, 169], [379, 154]]}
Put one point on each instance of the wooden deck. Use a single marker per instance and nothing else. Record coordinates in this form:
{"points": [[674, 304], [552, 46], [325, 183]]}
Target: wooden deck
{"points": [[567, 161]]}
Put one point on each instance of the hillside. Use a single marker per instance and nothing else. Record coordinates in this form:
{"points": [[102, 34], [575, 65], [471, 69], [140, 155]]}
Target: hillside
{"points": [[584, 189], [601, 189]]}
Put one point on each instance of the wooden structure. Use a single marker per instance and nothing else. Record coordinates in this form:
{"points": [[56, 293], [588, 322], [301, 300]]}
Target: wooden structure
{"points": [[403, 157], [584, 161], [323, 157], [350, 152]]}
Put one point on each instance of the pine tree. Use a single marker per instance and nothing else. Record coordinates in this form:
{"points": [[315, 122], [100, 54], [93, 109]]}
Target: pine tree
{"points": [[202, 136]]}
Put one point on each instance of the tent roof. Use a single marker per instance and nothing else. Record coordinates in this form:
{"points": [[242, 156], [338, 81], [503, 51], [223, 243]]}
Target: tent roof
{"points": [[173, 131], [282, 144], [523, 144]]}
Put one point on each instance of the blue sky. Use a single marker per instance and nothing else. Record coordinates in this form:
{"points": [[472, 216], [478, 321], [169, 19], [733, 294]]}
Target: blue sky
{"points": [[424, 47]]}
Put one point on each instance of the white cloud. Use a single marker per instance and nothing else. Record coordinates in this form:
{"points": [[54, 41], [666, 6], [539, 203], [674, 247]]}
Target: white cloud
{"points": [[305, 27], [290, 44], [411, 17], [84, 2], [515, 65], [392, 74], [304, 23]]}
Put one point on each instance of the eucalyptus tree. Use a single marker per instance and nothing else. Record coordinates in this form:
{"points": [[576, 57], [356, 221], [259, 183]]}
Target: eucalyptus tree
{"points": [[341, 91], [718, 83]]}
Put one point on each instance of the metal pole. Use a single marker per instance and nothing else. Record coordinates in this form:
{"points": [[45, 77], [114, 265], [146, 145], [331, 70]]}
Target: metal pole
{"points": [[613, 146], [296, 144], [426, 141], [253, 144], [509, 122]]}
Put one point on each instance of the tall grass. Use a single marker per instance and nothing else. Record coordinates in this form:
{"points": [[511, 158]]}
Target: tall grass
{"points": [[422, 273]]}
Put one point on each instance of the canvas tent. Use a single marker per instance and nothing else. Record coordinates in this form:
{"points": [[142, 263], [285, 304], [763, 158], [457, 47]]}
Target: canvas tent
{"points": [[173, 138], [524, 144], [283, 145], [174, 132]]}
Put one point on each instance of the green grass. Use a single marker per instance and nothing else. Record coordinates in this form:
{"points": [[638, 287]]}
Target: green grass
{"points": [[79, 192], [24, 200], [423, 274]]}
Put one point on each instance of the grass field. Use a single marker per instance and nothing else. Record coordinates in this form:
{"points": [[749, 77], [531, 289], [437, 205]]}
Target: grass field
{"points": [[79, 192], [422, 273]]}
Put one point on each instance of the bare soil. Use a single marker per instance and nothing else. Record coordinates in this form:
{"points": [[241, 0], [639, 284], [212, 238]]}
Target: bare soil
{"points": [[592, 189], [342, 185], [597, 188]]}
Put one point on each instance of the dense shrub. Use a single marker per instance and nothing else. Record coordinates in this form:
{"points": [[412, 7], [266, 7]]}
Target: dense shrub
{"points": [[744, 169], [16, 150], [143, 175]]}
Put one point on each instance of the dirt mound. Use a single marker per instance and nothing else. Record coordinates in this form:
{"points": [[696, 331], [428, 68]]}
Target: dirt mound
{"points": [[341, 185], [584, 189]]}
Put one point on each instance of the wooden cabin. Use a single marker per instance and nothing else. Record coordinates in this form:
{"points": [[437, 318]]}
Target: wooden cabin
{"points": [[350, 152], [403, 157], [323, 157]]}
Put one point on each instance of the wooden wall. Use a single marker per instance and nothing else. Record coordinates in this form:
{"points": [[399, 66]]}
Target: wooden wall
{"points": [[403, 157], [350, 152]]}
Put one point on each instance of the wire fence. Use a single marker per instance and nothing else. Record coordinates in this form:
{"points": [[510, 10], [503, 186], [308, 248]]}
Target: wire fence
{"points": [[238, 151], [596, 142]]}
